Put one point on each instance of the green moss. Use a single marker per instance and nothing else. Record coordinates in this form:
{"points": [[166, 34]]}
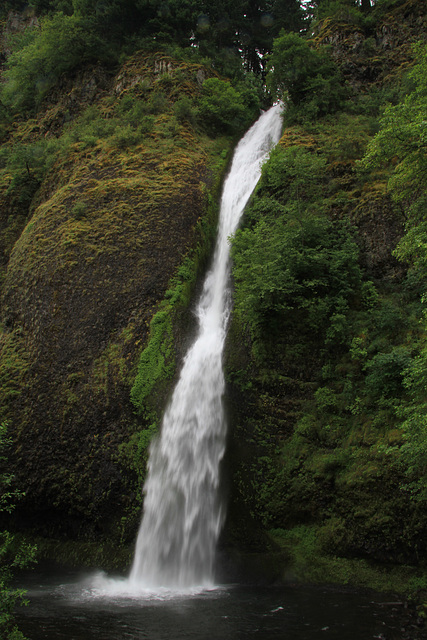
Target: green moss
{"points": [[156, 363], [108, 248], [307, 562], [133, 454], [156, 366], [14, 365], [111, 368]]}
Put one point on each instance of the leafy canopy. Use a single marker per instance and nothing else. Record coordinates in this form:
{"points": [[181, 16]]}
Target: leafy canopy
{"points": [[73, 32], [402, 142], [60, 44], [305, 78], [226, 109]]}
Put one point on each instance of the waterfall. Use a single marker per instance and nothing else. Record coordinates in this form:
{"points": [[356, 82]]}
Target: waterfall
{"points": [[183, 514]]}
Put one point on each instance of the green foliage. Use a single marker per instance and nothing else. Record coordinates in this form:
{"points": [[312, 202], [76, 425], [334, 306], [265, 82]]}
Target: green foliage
{"points": [[43, 7], [14, 554], [300, 292], [294, 271], [314, 558], [333, 341], [292, 266], [385, 373], [224, 109], [346, 455], [156, 362], [79, 210], [104, 29], [337, 381], [26, 164], [184, 110], [10, 5], [345, 11], [400, 143], [414, 414], [58, 46], [134, 453], [13, 368], [305, 78], [128, 125], [293, 175]]}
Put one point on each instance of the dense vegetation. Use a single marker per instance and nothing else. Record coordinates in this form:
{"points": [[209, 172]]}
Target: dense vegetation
{"points": [[335, 332], [15, 554], [72, 33], [116, 123]]}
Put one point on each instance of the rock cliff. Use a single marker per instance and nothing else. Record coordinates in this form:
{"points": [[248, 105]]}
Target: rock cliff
{"points": [[88, 256]]}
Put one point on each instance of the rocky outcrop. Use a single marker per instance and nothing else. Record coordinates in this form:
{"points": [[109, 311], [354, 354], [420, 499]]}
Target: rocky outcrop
{"points": [[368, 54], [17, 22], [105, 232]]}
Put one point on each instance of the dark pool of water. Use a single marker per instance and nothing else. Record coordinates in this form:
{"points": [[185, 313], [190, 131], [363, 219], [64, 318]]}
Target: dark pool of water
{"points": [[68, 606]]}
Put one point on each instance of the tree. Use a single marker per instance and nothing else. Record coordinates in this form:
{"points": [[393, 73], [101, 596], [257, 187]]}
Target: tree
{"points": [[260, 23], [226, 109], [294, 272], [414, 450], [44, 7], [59, 45], [326, 7], [307, 79]]}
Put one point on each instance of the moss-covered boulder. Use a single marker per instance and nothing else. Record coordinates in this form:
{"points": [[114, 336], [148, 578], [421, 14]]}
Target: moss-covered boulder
{"points": [[122, 195]]}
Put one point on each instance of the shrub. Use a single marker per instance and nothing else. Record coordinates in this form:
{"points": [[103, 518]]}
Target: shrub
{"points": [[294, 272], [184, 111], [385, 373], [223, 109], [79, 210]]}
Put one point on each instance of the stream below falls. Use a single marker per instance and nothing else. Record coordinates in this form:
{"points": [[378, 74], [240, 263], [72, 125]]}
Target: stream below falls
{"points": [[69, 605]]}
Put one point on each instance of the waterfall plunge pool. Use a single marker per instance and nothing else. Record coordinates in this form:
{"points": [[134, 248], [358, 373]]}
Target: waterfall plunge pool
{"points": [[68, 605]]}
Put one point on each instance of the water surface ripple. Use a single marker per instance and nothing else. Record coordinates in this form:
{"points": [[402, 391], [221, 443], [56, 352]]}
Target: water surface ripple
{"points": [[76, 607]]}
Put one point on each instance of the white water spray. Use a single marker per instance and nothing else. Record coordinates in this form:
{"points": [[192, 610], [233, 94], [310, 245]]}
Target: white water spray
{"points": [[182, 508]]}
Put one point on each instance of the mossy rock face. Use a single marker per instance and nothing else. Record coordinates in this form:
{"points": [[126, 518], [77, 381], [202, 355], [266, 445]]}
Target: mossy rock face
{"points": [[377, 49], [108, 228]]}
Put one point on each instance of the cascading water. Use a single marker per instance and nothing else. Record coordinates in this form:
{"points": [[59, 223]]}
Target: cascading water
{"points": [[182, 508]]}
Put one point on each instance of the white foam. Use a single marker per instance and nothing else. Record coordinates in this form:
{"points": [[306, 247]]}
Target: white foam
{"points": [[100, 585]]}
